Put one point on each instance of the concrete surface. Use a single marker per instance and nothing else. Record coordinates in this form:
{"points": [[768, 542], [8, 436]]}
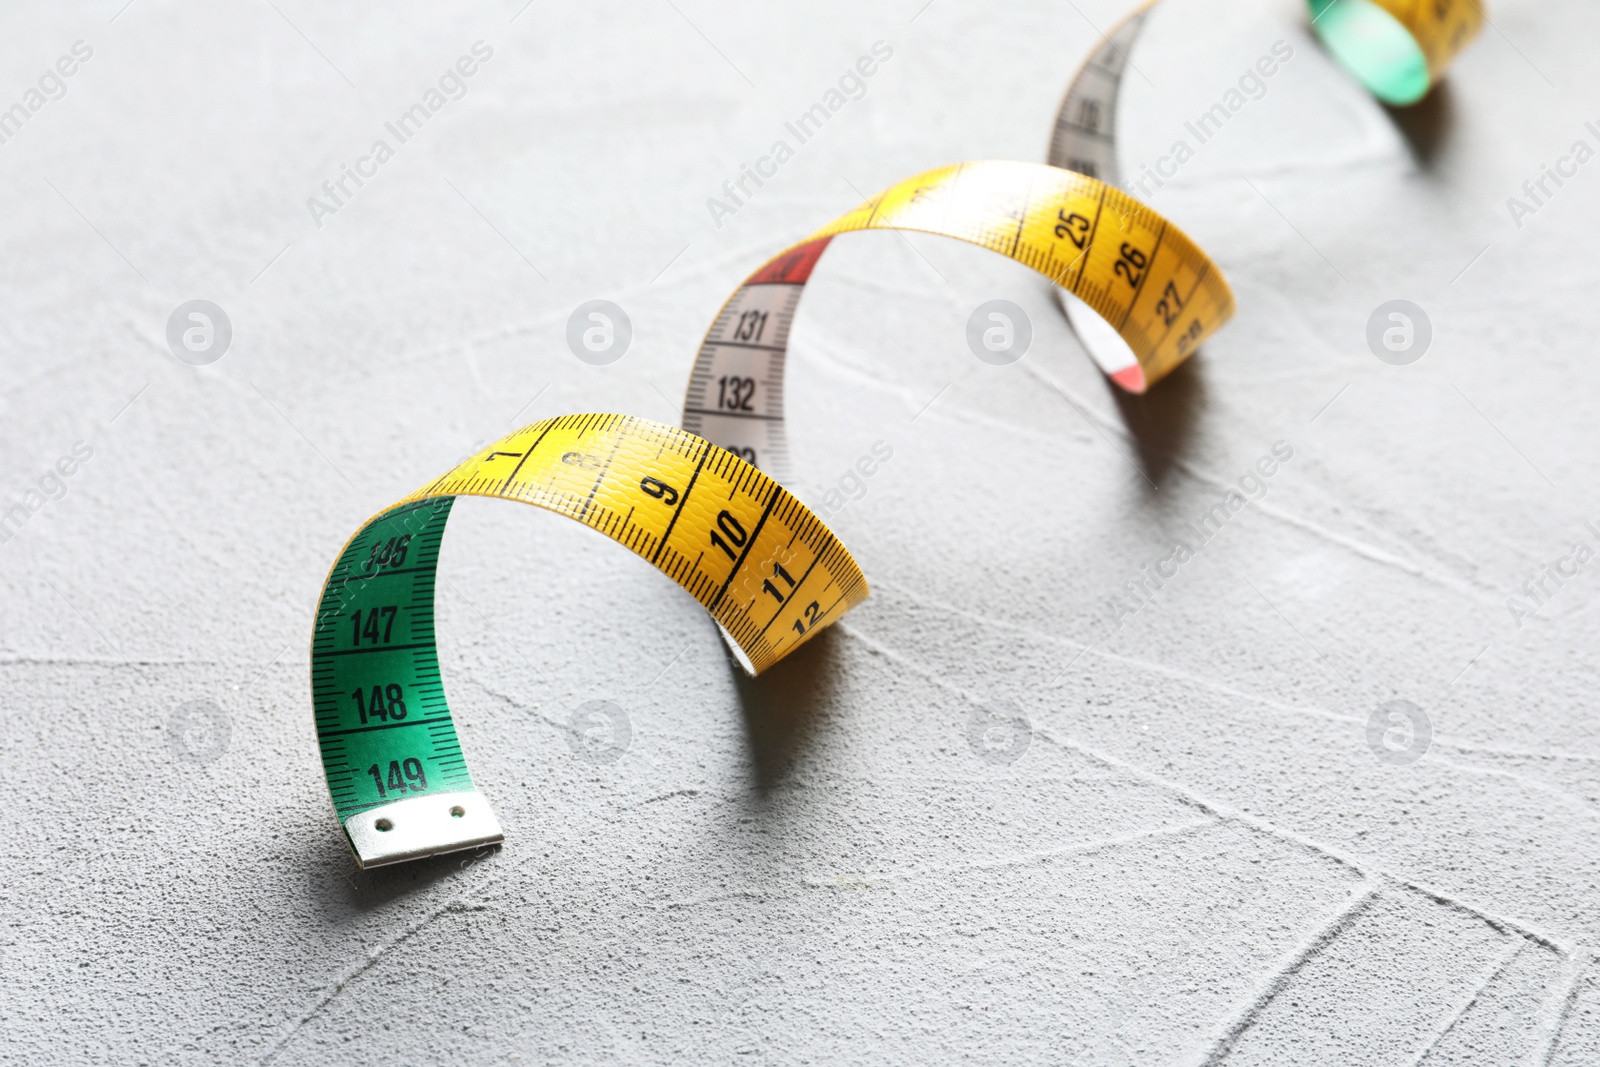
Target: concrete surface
{"points": [[1185, 850]]}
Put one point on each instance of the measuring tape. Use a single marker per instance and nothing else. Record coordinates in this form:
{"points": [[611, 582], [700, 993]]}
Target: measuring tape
{"points": [[1151, 285], [1141, 294], [767, 569], [757, 559], [1397, 48]]}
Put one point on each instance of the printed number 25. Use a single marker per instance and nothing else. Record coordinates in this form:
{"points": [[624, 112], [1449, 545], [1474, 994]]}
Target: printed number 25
{"points": [[1074, 228]]}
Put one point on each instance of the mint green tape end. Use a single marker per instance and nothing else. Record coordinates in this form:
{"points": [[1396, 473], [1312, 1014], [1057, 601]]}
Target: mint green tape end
{"points": [[1374, 46]]}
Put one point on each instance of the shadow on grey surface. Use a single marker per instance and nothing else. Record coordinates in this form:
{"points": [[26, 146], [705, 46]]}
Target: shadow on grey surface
{"points": [[1162, 421], [342, 888], [1426, 125], [781, 707]]}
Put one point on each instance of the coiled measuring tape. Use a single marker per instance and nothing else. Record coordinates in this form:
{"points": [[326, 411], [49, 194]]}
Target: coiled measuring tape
{"points": [[1398, 49], [1140, 274], [1140, 293], [757, 559]]}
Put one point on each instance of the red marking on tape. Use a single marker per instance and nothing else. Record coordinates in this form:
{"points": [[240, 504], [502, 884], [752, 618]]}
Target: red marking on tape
{"points": [[793, 267]]}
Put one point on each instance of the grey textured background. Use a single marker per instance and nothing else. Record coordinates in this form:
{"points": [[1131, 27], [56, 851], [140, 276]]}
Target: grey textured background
{"points": [[1197, 857]]}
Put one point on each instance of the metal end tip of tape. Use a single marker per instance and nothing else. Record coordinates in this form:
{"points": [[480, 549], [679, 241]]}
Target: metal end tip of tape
{"points": [[418, 827]]}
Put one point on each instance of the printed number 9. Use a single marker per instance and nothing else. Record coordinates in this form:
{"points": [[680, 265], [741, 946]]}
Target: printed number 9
{"points": [[660, 490]]}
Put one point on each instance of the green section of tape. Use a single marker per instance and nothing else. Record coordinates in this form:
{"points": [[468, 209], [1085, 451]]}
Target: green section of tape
{"points": [[382, 719], [1374, 46]]}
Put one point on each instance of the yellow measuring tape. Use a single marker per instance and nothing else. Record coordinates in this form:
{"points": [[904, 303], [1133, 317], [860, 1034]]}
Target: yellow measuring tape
{"points": [[757, 559], [1398, 49], [1139, 273], [1142, 295]]}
